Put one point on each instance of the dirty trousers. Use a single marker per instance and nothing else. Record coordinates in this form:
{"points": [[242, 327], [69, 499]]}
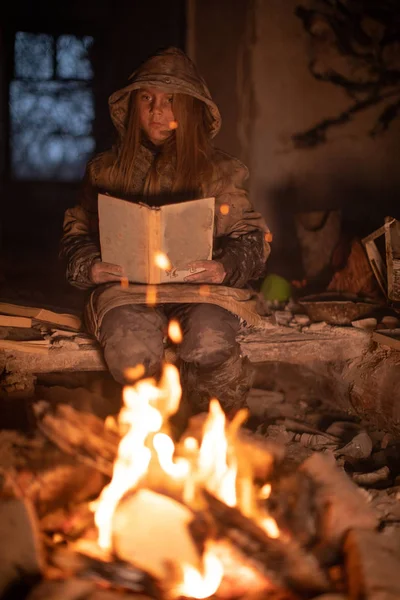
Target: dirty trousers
{"points": [[209, 356]]}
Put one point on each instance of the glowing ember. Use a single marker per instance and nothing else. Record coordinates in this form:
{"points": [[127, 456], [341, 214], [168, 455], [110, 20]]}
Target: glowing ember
{"points": [[143, 515], [204, 290], [111, 424], [265, 491], [151, 295], [270, 527], [173, 124], [124, 282], [224, 209], [174, 331], [268, 236], [162, 261]]}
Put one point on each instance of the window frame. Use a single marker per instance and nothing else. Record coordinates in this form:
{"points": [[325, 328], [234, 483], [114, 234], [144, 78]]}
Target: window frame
{"points": [[67, 28]]}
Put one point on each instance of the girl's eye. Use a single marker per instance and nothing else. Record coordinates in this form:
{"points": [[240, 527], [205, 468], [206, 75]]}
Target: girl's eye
{"points": [[169, 99], [146, 97]]}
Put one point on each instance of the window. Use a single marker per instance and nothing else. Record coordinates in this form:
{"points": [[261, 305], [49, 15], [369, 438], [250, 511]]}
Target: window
{"points": [[51, 107]]}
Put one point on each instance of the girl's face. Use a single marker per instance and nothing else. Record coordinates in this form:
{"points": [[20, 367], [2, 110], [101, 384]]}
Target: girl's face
{"points": [[155, 114]]}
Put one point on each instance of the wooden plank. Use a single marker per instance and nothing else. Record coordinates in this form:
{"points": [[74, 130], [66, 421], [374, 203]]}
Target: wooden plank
{"points": [[378, 232], [392, 244], [31, 346], [388, 338], [377, 265], [9, 321], [275, 344], [67, 320]]}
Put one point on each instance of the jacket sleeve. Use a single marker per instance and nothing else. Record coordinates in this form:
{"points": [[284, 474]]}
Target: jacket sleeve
{"points": [[241, 241], [79, 246]]}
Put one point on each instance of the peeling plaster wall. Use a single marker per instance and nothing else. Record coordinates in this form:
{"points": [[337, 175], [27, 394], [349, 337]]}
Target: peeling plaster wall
{"points": [[351, 171], [275, 97]]}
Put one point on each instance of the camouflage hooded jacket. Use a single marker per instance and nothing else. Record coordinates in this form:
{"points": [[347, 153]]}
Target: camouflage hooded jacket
{"points": [[239, 235]]}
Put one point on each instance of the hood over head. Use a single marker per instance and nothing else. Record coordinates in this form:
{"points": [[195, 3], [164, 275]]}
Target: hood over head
{"points": [[173, 71]]}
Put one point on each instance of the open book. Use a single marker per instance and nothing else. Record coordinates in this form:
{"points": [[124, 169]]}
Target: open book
{"points": [[133, 235]]}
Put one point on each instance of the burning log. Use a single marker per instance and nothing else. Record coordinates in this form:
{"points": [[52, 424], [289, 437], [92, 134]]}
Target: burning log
{"points": [[79, 434], [48, 478], [85, 561], [85, 437], [279, 559], [146, 525]]}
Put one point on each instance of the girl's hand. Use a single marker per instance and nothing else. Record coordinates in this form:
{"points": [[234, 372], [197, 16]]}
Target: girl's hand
{"points": [[102, 272], [213, 272]]}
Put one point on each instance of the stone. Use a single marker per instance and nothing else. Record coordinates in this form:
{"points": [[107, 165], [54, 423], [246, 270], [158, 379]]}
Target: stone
{"points": [[283, 317], [341, 505], [21, 554], [372, 564], [321, 326], [302, 319], [260, 402], [368, 324], [389, 322], [331, 597]]}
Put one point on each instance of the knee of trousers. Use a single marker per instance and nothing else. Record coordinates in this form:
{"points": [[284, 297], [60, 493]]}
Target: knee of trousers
{"points": [[130, 337], [122, 354]]}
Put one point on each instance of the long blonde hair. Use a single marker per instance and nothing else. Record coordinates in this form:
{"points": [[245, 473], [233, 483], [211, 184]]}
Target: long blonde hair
{"points": [[187, 151]]}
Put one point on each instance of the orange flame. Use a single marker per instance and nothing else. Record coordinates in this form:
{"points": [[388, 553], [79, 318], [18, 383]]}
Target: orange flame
{"points": [[146, 449], [175, 332]]}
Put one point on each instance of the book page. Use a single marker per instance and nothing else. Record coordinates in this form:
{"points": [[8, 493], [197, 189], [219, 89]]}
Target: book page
{"points": [[187, 231], [123, 228]]}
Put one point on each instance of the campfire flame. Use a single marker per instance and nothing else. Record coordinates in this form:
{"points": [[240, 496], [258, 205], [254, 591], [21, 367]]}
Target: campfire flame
{"points": [[148, 454]]}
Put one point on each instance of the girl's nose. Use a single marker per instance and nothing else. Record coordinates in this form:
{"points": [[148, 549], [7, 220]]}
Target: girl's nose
{"points": [[157, 105]]}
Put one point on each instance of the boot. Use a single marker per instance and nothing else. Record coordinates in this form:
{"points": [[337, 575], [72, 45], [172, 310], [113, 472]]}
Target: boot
{"points": [[229, 382]]}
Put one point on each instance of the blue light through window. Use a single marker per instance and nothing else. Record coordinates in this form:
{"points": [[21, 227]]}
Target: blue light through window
{"points": [[51, 107]]}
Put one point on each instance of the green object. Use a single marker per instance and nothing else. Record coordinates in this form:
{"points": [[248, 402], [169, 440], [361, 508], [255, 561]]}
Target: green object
{"points": [[275, 287]]}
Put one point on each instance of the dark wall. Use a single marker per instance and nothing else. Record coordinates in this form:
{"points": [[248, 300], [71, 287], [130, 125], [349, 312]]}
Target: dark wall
{"points": [[219, 29]]}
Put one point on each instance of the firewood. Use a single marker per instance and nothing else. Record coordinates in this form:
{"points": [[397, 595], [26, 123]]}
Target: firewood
{"points": [[20, 552], [283, 561], [69, 321], [151, 530], [372, 561], [292, 505], [10, 321], [340, 504], [89, 564], [80, 434]]}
